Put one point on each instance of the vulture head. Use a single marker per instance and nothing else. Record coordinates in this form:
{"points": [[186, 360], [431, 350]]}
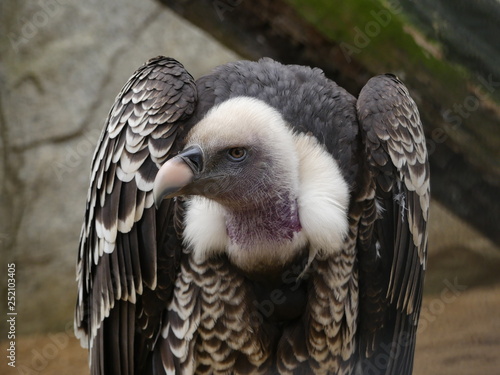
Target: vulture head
{"points": [[240, 155], [246, 175]]}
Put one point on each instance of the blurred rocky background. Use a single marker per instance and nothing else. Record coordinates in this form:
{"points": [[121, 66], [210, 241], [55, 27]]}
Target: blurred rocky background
{"points": [[62, 62]]}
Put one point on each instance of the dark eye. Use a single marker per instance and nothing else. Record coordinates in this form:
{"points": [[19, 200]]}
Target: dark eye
{"points": [[237, 153]]}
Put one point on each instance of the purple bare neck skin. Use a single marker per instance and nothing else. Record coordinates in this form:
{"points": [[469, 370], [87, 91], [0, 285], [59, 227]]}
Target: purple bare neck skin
{"points": [[271, 220]]}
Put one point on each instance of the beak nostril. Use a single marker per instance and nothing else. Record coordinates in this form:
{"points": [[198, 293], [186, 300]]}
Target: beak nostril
{"points": [[193, 156]]}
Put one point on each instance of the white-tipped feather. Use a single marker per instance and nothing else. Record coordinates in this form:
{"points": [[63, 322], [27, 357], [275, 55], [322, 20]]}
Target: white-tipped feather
{"points": [[148, 203], [140, 207], [124, 226], [109, 247], [124, 176]]}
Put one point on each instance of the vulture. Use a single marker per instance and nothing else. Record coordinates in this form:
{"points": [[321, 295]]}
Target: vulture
{"points": [[257, 220]]}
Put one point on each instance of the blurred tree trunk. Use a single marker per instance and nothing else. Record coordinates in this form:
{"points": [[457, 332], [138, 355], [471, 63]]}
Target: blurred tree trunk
{"points": [[271, 28]]}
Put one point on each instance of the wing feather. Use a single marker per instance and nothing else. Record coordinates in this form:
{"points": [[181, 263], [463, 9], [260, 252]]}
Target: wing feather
{"points": [[392, 255], [119, 253]]}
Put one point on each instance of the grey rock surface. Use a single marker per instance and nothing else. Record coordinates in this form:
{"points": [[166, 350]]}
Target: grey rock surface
{"points": [[62, 64]]}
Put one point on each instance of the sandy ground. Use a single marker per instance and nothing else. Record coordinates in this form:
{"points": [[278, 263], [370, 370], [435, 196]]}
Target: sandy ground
{"points": [[461, 337], [459, 331]]}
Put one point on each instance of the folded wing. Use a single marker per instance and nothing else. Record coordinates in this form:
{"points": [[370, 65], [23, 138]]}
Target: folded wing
{"points": [[129, 251], [392, 240]]}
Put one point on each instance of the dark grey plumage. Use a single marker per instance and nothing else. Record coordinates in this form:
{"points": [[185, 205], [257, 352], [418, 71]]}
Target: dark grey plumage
{"points": [[145, 306]]}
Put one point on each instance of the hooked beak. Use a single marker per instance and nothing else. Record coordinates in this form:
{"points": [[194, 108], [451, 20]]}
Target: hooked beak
{"points": [[177, 173]]}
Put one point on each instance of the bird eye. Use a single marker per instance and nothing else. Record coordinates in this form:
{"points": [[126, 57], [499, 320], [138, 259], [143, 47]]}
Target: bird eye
{"points": [[237, 153]]}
